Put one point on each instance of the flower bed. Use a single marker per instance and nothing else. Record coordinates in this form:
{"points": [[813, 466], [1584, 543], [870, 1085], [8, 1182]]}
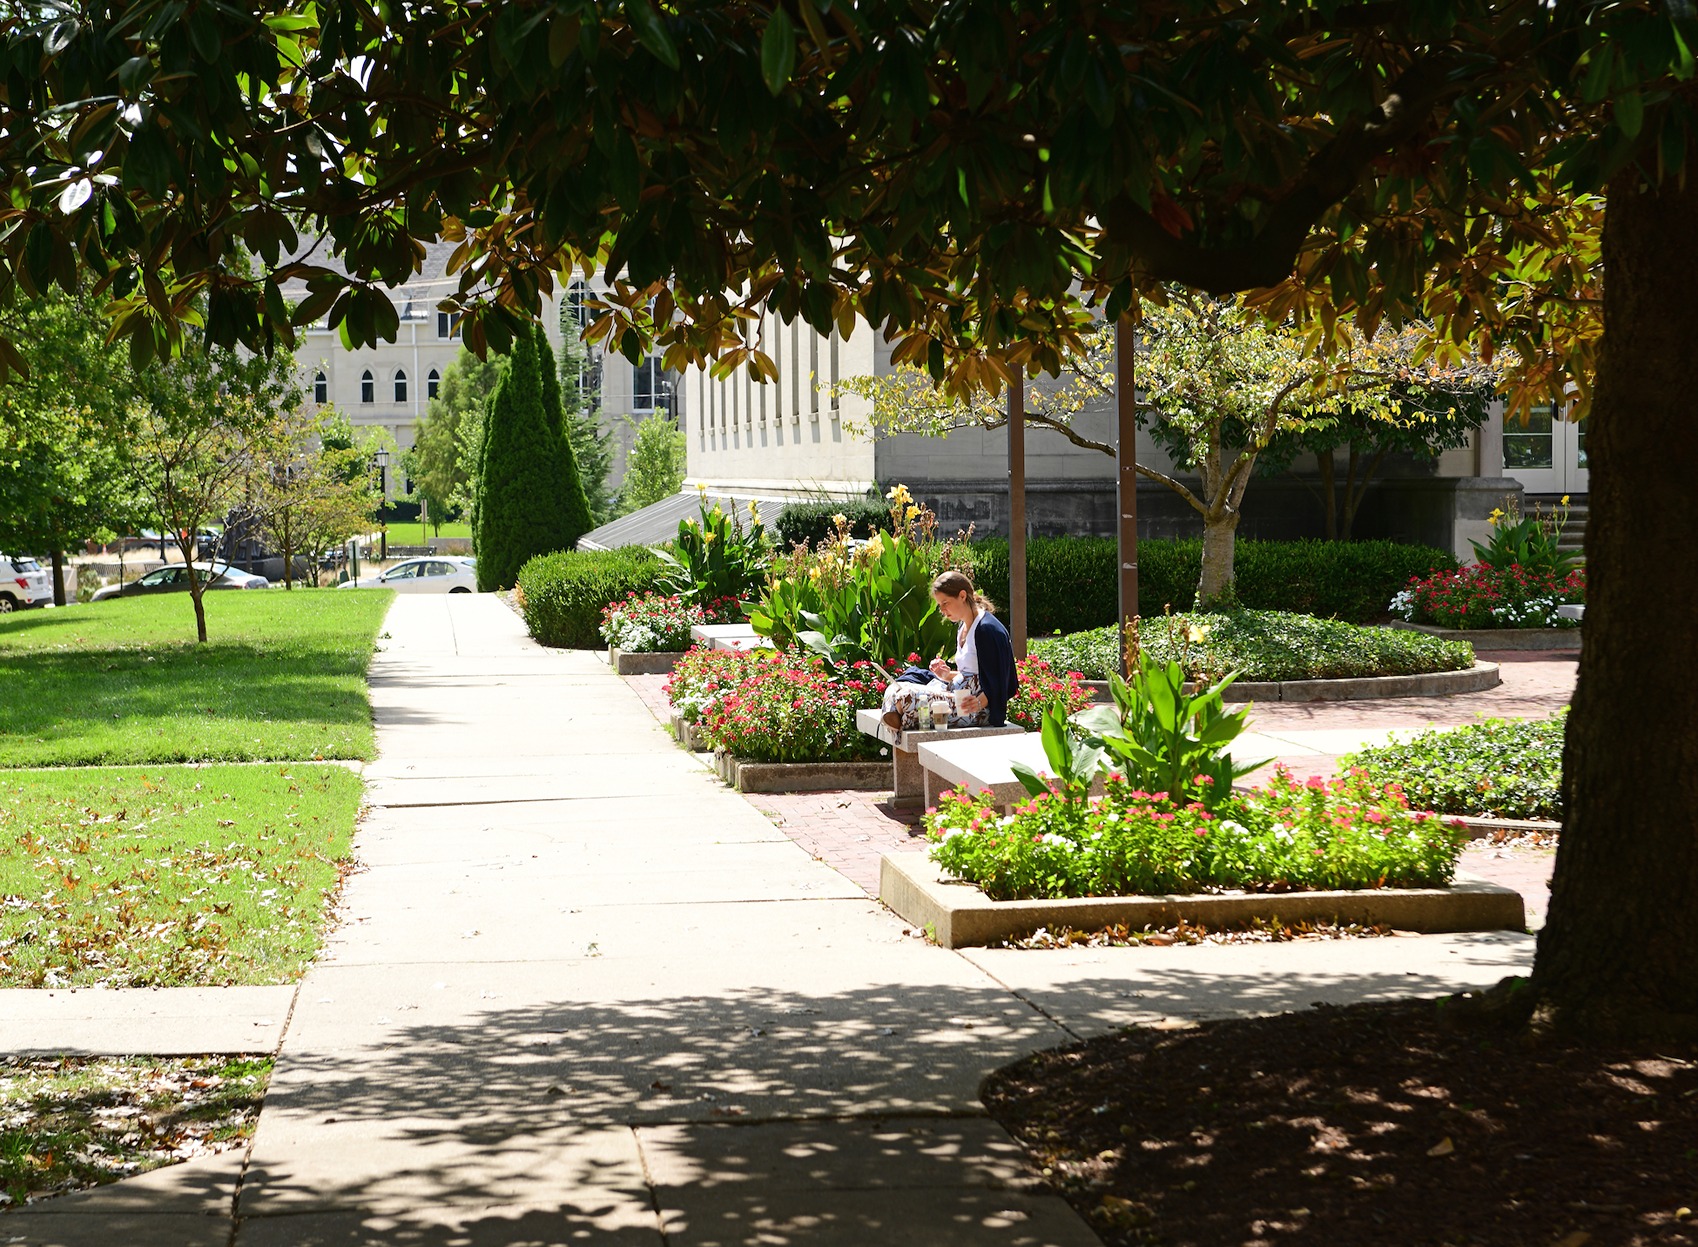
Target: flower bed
{"points": [[785, 707], [1349, 833], [1498, 769], [1042, 687], [1479, 596], [1262, 646], [659, 623]]}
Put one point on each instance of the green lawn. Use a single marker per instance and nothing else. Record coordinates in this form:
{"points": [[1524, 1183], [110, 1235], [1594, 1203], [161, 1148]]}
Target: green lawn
{"points": [[169, 876], [282, 677], [416, 534]]}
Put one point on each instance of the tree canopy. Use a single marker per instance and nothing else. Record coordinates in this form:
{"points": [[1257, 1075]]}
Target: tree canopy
{"points": [[954, 171]]}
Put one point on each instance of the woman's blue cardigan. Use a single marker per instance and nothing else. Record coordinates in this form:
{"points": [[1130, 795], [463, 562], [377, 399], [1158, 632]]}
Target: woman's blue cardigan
{"points": [[997, 676]]}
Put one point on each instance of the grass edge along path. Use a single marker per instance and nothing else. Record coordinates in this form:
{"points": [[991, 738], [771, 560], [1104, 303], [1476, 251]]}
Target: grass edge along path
{"points": [[170, 876], [70, 1123], [282, 677]]}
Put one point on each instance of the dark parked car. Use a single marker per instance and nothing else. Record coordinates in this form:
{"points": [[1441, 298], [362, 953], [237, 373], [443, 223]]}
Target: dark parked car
{"points": [[174, 579]]}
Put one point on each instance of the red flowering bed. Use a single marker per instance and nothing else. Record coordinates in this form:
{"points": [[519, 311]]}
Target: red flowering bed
{"points": [[702, 675], [652, 623], [786, 708], [1041, 686], [1478, 596], [1292, 835]]}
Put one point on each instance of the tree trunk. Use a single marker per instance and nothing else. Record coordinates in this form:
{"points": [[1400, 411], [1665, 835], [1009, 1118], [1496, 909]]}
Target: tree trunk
{"points": [[288, 555], [1619, 952], [58, 560], [1329, 498], [1220, 532]]}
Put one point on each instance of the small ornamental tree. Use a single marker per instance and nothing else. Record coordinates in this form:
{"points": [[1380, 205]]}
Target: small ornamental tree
{"points": [[655, 468], [575, 507], [521, 507], [592, 445]]}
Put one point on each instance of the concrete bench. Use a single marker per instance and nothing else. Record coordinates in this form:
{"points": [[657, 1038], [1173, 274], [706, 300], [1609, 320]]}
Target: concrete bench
{"points": [[909, 780], [983, 766], [728, 636]]}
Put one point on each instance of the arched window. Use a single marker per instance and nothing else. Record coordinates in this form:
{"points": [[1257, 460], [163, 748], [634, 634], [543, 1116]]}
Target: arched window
{"points": [[321, 389], [433, 382], [577, 303], [368, 387], [400, 386]]}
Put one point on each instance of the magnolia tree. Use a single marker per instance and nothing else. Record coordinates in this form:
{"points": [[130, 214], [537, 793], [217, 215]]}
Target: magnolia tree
{"points": [[1218, 383]]}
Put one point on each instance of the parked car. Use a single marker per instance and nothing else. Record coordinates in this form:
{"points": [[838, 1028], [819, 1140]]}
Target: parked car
{"points": [[23, 582], [173, 578], [439, 573]]}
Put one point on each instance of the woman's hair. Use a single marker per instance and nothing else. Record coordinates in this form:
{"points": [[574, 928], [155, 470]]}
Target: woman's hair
{"points": [[953, 583]]}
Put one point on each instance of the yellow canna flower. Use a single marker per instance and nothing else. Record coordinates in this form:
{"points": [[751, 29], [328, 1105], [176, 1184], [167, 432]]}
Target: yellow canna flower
{"points": [[840, 519], [1565, 500], [755, 511], [1196, 633], [709, 537], [1495, 516], [702, 490]]}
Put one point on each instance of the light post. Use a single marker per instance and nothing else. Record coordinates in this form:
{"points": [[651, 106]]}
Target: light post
{"points": [[381, 459]]}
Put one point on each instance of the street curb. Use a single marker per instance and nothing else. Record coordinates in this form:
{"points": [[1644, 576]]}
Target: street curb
{"points": [[1560, 640], [958, 915], [1476, 679], [873, 776], [658, 663], [1481, 828]]}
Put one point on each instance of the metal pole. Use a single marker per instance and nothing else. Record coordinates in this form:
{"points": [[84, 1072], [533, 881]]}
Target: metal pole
{"points": [[1017, 511], [382, 511], [1126, 408]]}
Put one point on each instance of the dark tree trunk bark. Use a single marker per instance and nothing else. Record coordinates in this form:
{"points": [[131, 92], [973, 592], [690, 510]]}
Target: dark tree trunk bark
{"points": [[1619, 953], [58, 560], [1329, 498]]}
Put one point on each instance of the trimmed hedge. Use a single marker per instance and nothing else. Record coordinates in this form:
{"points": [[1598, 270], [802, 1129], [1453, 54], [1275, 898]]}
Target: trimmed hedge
{"points": [[1261, 645], [563, 594], [1073, 583], [811, 521]]}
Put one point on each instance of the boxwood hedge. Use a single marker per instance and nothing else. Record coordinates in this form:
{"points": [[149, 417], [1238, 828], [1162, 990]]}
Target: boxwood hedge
{"points": [[562, 594]]}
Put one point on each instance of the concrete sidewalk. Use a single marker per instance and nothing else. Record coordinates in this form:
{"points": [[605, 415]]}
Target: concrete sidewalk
{"points": [[588, 994]]}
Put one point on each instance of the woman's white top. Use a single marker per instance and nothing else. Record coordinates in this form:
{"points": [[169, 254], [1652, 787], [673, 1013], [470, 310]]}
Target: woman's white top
{"points": [[967, 646]]}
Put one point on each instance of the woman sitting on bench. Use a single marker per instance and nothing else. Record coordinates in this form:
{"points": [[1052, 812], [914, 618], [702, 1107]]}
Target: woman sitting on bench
{"points": [[983, 679]]}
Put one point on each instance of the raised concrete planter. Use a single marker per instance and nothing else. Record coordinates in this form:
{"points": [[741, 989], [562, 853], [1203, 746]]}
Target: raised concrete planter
{"points": [[983, 766], [958, 915], [659, 662], [800, 776], [908, 779], [1557, 639], [686, 733], [728, 637], [1476, 679]]}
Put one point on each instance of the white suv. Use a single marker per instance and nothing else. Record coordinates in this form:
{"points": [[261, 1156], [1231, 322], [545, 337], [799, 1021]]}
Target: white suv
{"points": [[23, 582]]}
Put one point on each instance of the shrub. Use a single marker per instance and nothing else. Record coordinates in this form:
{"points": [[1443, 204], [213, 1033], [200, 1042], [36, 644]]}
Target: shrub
{"points": [[562, 595], [787, 708], [814, 523], [1262, 646], [1479, 596], [649, 623], [1499, 768], [1289, 836], [1073, 583], [1043, 687], [574, 502]]}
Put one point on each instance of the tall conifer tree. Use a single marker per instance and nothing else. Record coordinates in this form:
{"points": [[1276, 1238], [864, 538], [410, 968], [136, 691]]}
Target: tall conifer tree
{"points": [[521, 507]]}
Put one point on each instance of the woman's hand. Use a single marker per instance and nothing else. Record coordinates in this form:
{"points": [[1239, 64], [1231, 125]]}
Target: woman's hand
{"points": [[941, 670], [972, 705]]}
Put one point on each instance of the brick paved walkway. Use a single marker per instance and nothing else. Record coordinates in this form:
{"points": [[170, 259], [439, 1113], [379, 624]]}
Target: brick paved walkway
{"points": [[849, 830]]}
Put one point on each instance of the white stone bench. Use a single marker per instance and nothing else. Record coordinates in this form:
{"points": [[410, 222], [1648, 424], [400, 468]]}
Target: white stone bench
{"points": [[728, 636], [983, 766], [908, 779]]}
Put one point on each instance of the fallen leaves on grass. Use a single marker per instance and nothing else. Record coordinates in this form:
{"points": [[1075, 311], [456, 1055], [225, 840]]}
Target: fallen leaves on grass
{"points": [[74, 1122]]}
